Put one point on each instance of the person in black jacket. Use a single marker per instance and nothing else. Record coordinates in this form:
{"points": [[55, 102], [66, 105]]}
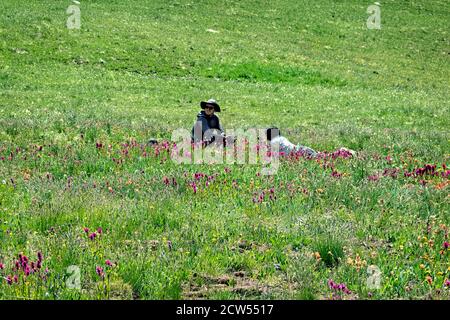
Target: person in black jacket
{"points": [[207, 120]]}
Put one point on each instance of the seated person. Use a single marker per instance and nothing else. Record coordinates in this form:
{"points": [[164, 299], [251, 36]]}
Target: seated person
{"points": [[207, 120]]}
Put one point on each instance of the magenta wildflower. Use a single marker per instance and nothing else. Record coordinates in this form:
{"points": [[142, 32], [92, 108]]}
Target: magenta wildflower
{"points": [[336, 174], [99, 230], [2, 266], [446, 245], [16, 278], [92, 236], [108, 263], [99, 271], [39, 255], [9, 280], [86, 230], [331, 284], [341, 287], [447, 283], [194, 187]]}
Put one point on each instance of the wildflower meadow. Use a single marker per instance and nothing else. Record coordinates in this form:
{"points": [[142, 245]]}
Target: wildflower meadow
{"points": [[90, 209]]}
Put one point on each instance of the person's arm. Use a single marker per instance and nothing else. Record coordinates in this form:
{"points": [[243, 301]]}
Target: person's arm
{"points": [[200, 126], [220, 126]]}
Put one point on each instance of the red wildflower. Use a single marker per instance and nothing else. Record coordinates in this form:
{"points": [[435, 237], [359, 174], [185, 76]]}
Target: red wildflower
{"points": [[99, 271]]}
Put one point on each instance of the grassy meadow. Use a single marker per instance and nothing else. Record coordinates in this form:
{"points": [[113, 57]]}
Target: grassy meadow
{"points": [[80, 185]]}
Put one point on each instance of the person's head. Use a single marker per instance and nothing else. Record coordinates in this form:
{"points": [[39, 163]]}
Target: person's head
{"points": [[210, 107], [272, 133]]}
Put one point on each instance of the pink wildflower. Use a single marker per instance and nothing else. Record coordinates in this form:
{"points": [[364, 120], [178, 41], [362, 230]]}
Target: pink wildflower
{"points": [[99, 271]]}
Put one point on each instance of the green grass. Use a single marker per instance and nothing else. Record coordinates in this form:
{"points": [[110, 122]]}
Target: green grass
{"points": [[138, 69], [330, 250]]}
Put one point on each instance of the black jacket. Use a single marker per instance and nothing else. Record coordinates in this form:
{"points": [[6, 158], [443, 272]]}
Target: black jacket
{"points": [[203, 124]]}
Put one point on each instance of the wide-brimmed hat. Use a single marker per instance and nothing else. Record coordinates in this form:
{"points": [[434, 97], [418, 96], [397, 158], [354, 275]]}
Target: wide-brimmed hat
{"points": [[211, 102]]}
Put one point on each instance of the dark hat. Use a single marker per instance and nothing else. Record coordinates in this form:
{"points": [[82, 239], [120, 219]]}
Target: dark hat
{"points": [[212, 102]]}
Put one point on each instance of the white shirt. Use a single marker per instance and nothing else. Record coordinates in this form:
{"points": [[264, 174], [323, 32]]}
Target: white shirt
{"points": [[285, 145]]}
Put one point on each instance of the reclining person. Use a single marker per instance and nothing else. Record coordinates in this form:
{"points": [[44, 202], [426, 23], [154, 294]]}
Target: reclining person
{"points": [[274, 137]]}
